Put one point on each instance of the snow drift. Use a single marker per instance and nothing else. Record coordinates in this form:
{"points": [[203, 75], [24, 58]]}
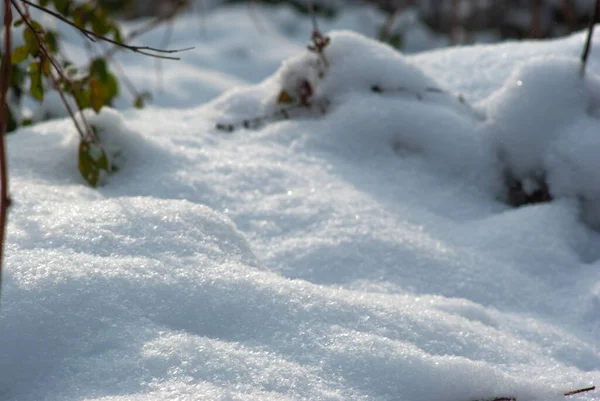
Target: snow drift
{"points": [[356, 254]]}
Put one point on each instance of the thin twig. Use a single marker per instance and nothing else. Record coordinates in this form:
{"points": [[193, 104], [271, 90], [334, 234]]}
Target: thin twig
{"points": [[255, 122], [145, 50], [313, 16], [588, 41], [165, 42], [150, 25], [5, 74], [582, 390], [123, 76]]}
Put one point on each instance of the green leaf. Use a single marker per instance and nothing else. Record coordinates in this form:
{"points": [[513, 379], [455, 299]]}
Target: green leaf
{"points": [[97, 99], [100, 24], [52, 41], [20, 54], [112, 86], [140, 100], [31, 41], [117, 34], [18, 23], [36, 26], [82, 97], [43, 3], [98, 69], [92, 160], [17, 77], [11, 124], [62, 6], [285, 97], [45, 64], [35, 75]]}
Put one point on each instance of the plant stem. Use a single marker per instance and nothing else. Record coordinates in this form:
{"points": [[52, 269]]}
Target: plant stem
{"points": [[588, 41], [582, 390], [89, 135], [5, 76]]}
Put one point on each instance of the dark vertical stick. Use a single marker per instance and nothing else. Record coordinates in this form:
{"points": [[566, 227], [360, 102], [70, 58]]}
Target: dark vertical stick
{"points": [[588, 41], [313, 17], [5, 79]]}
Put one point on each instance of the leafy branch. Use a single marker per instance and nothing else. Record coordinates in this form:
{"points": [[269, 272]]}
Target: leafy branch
{"points": [[94, 90]]}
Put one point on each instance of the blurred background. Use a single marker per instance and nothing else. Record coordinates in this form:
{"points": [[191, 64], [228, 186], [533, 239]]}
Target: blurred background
{"points": [[444, 22]]}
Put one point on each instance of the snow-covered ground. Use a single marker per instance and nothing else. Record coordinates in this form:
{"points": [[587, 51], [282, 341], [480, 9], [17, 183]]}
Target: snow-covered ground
{"points": [[361, 250]]}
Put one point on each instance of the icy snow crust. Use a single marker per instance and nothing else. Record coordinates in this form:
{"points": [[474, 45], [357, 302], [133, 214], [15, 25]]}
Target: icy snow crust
{"points": [[362, 254]]}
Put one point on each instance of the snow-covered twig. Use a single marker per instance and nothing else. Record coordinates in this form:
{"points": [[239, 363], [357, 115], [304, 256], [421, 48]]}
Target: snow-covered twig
{"points": [[419, 95], [255, 122]]}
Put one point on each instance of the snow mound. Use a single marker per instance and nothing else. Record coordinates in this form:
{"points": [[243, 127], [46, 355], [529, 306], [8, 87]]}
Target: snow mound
{"points": [[374, 102], [538, 129], [544, 123]]}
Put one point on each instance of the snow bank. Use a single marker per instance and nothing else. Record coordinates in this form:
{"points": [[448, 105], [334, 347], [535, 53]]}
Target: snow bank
{"points": [[359, 254]]}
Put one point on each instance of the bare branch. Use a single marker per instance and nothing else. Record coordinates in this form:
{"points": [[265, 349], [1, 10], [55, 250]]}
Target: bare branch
{"points": [[150, 25], [5, 76], [313, 16], [145, 50], [582, 390], [588, 41]]}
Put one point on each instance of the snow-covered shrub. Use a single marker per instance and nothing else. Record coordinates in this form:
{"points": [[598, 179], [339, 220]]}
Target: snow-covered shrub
{"points": [[544, 123]]}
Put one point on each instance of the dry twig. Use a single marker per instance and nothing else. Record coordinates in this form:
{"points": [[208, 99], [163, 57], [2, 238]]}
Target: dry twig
{"points": [[588, 41], [5, 79]]}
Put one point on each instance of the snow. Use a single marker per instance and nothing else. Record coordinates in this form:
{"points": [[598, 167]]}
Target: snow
{"points": [[360, 252]]}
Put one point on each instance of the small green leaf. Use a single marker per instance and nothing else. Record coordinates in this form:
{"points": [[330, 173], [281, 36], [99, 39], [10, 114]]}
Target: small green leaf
{"points": [[45, 64], [112, 86], [100, 24], [117, 34], [285, 97], [97, 99], [36, 26], [35, 75], [18, 23], [31, 41], [17, 77], [11, 124], [52, 41], [62, 6], [98, 68], [82, 97], [92, 160], [20, 54], [139, 102]]}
